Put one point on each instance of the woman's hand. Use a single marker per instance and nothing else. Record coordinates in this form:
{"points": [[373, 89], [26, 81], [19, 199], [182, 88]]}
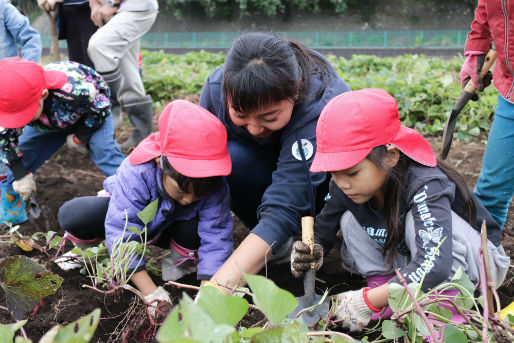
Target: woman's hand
{"points": [[301, 258]]}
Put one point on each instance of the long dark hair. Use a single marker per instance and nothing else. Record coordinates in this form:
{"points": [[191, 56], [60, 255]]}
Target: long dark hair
{"points": [[262, 69], [201, 186], [394, 186]]}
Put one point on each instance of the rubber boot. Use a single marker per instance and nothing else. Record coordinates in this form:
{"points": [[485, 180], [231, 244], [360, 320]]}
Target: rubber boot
{"points": [[140, 114], [13, 206], [113, 79], [180, 262]]}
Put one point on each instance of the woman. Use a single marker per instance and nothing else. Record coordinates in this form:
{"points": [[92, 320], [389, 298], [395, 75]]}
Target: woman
{"points": [[269, 94]]}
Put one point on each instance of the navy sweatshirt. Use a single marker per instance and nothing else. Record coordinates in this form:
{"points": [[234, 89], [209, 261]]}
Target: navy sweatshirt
{"points": [[431, 197], [287, 199]]}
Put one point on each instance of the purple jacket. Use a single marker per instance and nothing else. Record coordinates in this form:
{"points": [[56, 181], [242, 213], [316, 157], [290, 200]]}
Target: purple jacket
{"points": [[133, 187]]}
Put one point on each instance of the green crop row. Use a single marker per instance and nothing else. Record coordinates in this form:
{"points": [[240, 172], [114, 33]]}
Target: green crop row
{"points": [[426, 88]]}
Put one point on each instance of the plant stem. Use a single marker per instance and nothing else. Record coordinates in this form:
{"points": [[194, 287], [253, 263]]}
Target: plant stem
{"points": [[183, 285], [418, 308]]}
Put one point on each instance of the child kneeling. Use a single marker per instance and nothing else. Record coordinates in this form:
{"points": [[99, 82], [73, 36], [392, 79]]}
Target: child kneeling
{"points": [[182, 166], [396, 205]]}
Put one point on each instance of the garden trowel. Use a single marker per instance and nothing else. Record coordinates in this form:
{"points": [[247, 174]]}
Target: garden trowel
{"points": [[34, 209], [465, 96], [313, 307]]}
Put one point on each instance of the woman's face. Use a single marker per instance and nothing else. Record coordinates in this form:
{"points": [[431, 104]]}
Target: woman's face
{"points": [[265, 121]]}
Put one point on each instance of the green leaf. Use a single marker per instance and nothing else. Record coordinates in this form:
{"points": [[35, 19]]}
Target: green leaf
{"points": [[454, 335], [441, 311], [222, 308], [248, 333], [149, 212], [134, 229], [190, 322], [25, 283], [286, 334], [390, 331], [399, 299], [275, 303], [80, 331], [7, 331], [463, 299], [421, 326]]}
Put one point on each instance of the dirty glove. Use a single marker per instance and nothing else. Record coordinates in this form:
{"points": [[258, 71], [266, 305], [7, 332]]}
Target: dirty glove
{"points": [[352, 309], [74, 143], [301, 258], [25, 186], [154, 299], [471, 70]]}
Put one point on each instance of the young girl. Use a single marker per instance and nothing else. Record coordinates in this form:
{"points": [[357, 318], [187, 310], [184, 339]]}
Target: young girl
{"points": [[269, 95], [40, 110], [395, 203], [184, 172]]}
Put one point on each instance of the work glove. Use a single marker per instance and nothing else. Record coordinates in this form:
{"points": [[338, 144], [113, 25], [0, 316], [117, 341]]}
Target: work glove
{"points": [[74, 143], [301, 258], [352, 310], [154, 299], [47, 5], [25, 186], [471, 70]]}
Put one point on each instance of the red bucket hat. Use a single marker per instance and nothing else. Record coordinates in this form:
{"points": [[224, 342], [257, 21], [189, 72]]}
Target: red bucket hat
{"points": [[192, 138], [355, 122], [21, 88]]}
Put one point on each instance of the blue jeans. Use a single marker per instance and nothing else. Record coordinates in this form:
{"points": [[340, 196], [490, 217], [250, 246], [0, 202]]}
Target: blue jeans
{"points": [[495, 185], [251, 175], [38, 146]]}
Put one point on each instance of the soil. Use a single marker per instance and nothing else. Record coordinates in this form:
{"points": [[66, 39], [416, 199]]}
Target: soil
{"points": [[67, 175]]}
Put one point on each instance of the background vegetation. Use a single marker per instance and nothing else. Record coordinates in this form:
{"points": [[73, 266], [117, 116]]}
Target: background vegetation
{"points": [[426, 88]]}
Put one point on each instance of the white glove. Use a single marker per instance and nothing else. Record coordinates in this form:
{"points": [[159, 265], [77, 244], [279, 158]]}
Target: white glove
{"points": [[153, 299], [74, 143], [352, 310], [25, 186], [301, 258]]}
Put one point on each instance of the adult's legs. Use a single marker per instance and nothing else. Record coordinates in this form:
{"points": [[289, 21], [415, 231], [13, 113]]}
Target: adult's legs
{"points": [[495, 186], [104, 150], [78, 29]]}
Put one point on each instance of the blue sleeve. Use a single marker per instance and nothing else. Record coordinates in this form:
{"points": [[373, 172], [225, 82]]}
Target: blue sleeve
{"points": [[24, 35], [211, 93], [287, 199], [215, 231], [127, 199]]}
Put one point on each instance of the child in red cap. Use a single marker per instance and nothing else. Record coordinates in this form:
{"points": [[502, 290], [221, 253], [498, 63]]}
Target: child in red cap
{"points": [[40, 110], [395, 204], [183, 166]]}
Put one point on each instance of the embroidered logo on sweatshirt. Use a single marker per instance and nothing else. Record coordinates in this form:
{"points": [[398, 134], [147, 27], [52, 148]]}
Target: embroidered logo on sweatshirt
{"points": [[307, 148]]}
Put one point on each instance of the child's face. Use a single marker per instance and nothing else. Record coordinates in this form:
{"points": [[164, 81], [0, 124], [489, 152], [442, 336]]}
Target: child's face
{"points": [[265, 121], [364, 182], [43, 97], [182, 198]]}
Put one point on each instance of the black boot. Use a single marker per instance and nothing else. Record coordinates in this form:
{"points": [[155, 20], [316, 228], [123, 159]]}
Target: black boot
{"points": [[140, 114], [113, 79]]}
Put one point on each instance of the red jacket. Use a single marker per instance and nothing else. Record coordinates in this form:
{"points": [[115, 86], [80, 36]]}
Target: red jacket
{"points": [[494, 22]]}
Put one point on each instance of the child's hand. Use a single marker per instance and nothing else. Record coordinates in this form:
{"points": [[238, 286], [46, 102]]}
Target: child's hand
{"points": [[154, 299], [25, 186], [352, 310], [301, 258], [74, 143]]}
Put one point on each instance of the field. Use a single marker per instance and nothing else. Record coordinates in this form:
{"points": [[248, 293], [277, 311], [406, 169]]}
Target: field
{"points": [[67, 175]]}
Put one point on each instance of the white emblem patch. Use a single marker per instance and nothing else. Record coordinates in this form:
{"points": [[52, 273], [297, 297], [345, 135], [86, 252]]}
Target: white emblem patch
{"points": [[307, 147]]}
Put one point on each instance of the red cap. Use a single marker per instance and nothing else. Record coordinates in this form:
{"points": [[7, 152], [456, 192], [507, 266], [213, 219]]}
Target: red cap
{"points": [[21, 88], [192, 138], [355, 122]]}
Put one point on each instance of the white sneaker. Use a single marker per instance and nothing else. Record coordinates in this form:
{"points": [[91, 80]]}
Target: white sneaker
{"points": [[69, 261], [172, 272]]}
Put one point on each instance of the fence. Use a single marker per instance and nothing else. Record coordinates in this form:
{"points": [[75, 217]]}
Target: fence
{"points": [[421, 39]]}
